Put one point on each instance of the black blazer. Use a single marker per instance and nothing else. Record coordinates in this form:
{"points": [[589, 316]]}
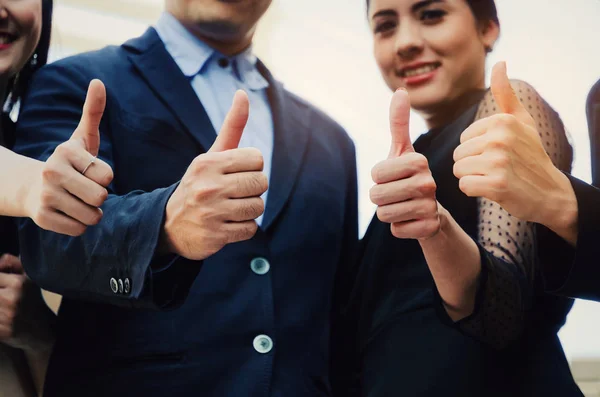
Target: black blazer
{"points": [[575, 272], [593, 118], [114, 344]]}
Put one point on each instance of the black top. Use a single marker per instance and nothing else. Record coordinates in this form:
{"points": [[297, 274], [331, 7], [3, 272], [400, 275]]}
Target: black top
{"points": [[9, 241], [395, 339]]}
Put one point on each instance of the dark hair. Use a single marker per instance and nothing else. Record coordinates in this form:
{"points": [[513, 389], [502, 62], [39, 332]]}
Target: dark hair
{"points": [[483, 10], [19, 84]]}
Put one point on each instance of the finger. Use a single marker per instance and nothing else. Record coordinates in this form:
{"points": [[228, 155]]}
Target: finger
{"points": [[87, 131], [407, 211], [242, 160], [64, 202], [240, 210], [419, 229], [398, 168], [473, 165], [60, 223], [246, 184], [99, 171], [240, 231], [84, 189], [472, 147], [477, 186], [399, 124], [402, 190], [234, 124], [10, 264], [505, 95]]}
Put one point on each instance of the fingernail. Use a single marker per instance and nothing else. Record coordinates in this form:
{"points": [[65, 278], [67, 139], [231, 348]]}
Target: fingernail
{"points": [[401, 89]]}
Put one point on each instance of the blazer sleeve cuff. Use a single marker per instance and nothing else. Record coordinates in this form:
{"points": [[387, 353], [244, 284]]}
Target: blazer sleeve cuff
{"points": [[573, 271]]}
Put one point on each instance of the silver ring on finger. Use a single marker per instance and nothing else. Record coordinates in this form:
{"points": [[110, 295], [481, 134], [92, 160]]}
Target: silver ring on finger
{"points": [[92, 161]]}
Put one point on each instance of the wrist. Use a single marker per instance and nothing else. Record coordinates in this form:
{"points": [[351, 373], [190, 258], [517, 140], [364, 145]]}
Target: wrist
{"points": [[560, 210], [26, 193]]}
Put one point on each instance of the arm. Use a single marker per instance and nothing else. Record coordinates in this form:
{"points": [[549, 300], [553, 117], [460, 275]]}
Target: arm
{"points": [[492, 160], [123, 245], [148, 248], [57, 194], [17, 172]]}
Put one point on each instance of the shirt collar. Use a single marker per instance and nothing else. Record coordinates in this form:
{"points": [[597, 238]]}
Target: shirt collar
{"points": [[192, 54]]}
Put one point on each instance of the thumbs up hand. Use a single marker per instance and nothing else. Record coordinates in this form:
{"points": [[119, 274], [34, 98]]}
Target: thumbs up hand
{"points": [[404, 188], [218, 198], [71, 186], [502, 158]]}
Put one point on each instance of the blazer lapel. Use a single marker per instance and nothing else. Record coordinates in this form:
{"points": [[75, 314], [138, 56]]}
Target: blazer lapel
{"points": [[157, 67], [290, 122]]}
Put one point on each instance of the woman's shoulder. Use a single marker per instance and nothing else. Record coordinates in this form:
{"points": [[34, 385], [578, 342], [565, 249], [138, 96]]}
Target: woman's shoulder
{"points": [[527, 94]]}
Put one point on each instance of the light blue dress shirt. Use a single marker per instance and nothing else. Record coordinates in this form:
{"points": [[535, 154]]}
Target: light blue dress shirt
{"points": [[215, 79]]}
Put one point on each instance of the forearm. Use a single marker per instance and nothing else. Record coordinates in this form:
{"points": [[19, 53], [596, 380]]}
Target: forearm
{"points": [[16, 177], [455, 264]]}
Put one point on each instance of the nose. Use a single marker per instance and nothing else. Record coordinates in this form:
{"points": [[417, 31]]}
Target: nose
{"points": [[409, 42]]}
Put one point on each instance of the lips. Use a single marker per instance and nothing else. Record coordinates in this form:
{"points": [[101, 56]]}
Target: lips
{"points": [[417, 70]]}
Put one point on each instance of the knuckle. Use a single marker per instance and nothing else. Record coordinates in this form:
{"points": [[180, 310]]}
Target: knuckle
{"points": [[420, 162], [375, 195], [206, 191], [500, 182], [64, 150], [427, 186], [378, 172], [383, 213], [50, 172], [397, 230], [47, 198]]}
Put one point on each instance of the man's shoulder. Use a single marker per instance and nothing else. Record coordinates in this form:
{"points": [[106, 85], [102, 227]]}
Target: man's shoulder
{"points": [[318, 117], [92, 61]]}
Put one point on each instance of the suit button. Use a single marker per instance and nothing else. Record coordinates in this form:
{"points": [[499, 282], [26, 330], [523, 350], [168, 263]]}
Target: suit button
{"points": [[260, 266], [114, 287], [263, 344], [120, 286], [126, 286]]}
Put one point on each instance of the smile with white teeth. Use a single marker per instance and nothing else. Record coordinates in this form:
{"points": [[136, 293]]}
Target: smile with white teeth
{"points": [[419, 70]]}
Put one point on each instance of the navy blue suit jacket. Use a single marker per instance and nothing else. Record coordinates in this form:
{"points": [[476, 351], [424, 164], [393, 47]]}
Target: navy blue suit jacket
{"points": [[154, 126]]}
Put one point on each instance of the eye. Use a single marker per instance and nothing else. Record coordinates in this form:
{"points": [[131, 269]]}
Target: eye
{"points": [[384, 26], [432, 16]]}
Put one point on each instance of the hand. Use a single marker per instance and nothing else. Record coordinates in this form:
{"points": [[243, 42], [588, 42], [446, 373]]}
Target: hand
{"points": [[23, 312], [502, 159], [219, 196], [62, 199], [405, 189]]}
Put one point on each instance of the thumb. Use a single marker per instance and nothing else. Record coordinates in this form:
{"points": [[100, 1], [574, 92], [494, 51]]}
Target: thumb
{"points": [[234, 124], [88, 129], [505, 95], [399, 123]]}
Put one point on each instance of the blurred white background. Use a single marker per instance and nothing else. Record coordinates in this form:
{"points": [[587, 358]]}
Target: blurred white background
{"points": [[321, 49]]}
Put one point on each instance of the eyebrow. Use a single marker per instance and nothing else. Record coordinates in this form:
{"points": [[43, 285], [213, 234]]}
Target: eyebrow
{"points": [[415, 7], [425, 3]]}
